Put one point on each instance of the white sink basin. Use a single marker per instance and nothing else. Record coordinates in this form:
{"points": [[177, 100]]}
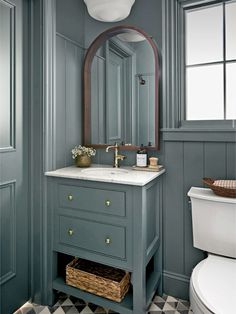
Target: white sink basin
{"points": [[104, 171]]}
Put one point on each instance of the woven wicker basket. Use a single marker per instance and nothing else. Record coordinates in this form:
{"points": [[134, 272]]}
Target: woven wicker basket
{"points": [[224, 188], [104, 281]]}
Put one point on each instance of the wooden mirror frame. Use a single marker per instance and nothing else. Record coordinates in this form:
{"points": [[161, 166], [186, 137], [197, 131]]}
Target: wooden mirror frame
{"points": [[91, 52]]}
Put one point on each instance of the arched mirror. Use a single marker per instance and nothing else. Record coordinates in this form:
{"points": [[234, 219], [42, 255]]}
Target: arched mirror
{"points": [[121, 78]]}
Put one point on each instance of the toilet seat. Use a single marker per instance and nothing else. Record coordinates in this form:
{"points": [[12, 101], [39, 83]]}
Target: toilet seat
{"points": [[213, 285], [196, 304]]}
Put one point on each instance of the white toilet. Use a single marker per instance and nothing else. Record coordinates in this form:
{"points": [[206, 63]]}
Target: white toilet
{"points": [[213, 280]]}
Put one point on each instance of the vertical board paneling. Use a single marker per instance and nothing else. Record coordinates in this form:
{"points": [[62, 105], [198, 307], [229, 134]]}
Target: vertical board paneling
{"points": [[95, 93], [69, 61], [193, 173], [144, 107], [73, 118], [115, 97], [173, 208], [186, 164], [215, 160], [60, 101], [101, 100], [98, 110], [231, 161]]}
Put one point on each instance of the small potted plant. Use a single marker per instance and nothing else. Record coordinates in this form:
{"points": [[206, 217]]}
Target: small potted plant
{"points": [[82, 155]]}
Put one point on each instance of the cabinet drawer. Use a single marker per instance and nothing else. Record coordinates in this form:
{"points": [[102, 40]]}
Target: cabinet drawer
{"points": [[95, 200], [93, 236]]}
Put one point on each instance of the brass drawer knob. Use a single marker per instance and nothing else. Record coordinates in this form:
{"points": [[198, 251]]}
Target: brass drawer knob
{"points": [[70, 197], [108, 203], [108, 241], [70, 232]]}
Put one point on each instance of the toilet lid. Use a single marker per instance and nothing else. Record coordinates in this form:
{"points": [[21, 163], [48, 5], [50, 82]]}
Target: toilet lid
{"points": [[214, 281]]}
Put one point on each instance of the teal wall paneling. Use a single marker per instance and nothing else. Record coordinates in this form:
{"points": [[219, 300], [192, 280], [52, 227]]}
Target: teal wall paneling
{"points": [[215, 160], [98, 130], [69, 65], [70, 19], [115, 97], [186, 164], [61, 101], [74, 65], [231, 160], [173, 208], [69, 59], [144, 101], [193, 171]]}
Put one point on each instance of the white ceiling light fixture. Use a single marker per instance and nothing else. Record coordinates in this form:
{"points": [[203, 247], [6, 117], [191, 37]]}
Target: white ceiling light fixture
{"points": [[109, 10], [131, 36]]}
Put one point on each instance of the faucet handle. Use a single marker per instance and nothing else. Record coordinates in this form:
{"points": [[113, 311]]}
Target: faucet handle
{"points": [[122, 157]]}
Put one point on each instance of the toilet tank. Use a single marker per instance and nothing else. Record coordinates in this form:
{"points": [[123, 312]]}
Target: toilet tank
{"points": [[214, 222]]}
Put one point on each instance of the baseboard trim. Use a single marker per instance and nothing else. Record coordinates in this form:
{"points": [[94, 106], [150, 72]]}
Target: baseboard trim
{"points": [[176, 285]]}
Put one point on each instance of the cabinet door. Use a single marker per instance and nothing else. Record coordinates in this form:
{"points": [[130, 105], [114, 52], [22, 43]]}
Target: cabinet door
{"points": [[14, 266]]}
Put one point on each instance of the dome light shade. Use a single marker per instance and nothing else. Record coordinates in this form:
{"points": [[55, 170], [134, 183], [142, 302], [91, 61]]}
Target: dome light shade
{"points": [[109, 10], [131, 36]]}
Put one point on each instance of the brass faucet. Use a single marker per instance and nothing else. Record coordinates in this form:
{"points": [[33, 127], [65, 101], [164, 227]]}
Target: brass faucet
{"points": [[117, 156]]}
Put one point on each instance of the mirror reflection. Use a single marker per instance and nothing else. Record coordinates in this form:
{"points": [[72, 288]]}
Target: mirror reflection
{"points": [[123, 91]]}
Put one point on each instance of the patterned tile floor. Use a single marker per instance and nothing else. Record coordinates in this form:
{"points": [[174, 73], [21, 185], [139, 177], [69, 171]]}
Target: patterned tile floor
{"points": [[70, 305]]}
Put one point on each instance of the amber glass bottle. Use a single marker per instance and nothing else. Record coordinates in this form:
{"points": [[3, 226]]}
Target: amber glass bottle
{"points": [[141, 157]]}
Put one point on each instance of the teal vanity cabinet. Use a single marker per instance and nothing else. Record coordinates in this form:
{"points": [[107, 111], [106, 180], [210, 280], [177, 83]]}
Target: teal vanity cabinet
{"points": [[110, 222]]}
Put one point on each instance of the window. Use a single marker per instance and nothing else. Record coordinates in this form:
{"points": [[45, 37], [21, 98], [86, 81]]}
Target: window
{"points": [[210, 62]]}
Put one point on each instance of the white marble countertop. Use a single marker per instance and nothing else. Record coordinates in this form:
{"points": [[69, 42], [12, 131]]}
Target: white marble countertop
{"points": [[106, 173]]}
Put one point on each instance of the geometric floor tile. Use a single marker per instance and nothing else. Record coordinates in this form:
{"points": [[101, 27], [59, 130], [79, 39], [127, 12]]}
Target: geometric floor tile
{"points": [[169, 305], [71, 305]]}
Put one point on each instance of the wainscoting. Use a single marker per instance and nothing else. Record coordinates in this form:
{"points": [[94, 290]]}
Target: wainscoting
{"points": [[186, 164]]}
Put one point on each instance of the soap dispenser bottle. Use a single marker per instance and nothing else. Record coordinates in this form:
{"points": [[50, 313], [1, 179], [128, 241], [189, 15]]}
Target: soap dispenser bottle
{"points": [[141, 157]]}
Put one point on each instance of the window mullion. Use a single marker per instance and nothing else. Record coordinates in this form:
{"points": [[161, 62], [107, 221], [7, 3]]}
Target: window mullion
{"points": [[203, 64], [224, 60]]}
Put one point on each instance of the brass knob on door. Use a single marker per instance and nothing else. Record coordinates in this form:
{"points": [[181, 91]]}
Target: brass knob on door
{"points": [[108, 203], [70, 197], [108, 241], [70, 232]]}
